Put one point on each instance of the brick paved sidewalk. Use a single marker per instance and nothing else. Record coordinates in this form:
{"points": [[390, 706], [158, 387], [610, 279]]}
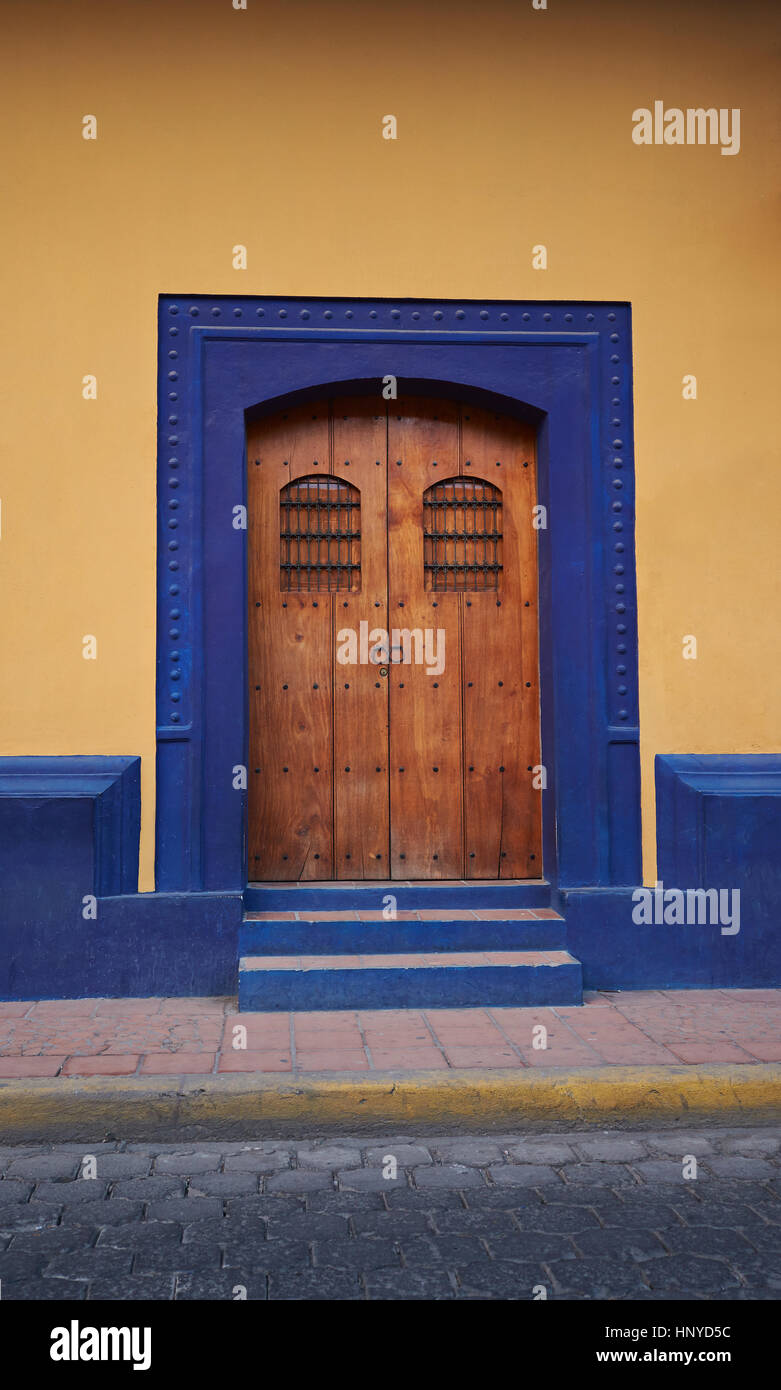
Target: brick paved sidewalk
{"points": [[197, 1037]]}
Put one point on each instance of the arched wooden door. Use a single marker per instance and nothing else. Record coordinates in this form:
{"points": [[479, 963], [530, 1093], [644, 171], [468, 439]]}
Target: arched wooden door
{"points": [[393, 648]]}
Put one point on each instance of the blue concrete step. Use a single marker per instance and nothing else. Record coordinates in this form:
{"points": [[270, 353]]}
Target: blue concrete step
{"points": [[438, 980], [345, 933], [333, 896]]}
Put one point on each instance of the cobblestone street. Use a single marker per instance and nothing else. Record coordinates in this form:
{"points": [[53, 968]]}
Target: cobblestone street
{"points": [[587, 1216]]}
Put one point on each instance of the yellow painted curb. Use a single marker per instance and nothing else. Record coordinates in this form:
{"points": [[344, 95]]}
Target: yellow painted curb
{"points": [[252, 1105]]}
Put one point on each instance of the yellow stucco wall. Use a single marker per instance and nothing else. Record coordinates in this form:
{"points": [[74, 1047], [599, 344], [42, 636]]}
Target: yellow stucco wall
{"points": [[263, 127]]}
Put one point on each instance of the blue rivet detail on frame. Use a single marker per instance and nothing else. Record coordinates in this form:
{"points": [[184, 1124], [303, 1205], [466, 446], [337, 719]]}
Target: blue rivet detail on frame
{"points": [[199, 321]]}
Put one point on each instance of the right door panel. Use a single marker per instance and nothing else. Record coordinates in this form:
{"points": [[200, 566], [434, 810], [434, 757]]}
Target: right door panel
{"points": [[462, 571], [502, 822]]}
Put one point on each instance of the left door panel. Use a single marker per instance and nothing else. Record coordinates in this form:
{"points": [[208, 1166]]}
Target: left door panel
{"points": [[318, 806]]}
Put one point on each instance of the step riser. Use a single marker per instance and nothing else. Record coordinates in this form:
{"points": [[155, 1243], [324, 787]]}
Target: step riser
{"points": [[366, 897], [385, 938], [433, 988]]}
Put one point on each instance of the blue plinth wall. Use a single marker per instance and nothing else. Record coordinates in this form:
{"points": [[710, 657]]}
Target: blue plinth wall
{"points": [[68, 821], [72, 923], [718, 821]]}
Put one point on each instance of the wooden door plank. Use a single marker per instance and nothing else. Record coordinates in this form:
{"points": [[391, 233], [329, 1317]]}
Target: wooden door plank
{"points": [[290, 773], [425, 708], [360, 693], [500, 665]]}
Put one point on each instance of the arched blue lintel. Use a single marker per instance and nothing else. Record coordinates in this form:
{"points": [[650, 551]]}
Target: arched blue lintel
{"points": [[568, 367]]}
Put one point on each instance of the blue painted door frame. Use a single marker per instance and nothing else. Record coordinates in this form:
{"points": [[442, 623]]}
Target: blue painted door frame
{"points": [[568, 366]]}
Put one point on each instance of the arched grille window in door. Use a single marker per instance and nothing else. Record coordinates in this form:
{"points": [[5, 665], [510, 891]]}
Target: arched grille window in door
{"points": [[320, 535], [462, 535]]}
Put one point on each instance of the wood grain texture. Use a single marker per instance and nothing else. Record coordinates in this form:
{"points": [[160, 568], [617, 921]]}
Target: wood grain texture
{"points": [[415, 773], [290, 809], [425, 710], [501, 719], [360, 693]]}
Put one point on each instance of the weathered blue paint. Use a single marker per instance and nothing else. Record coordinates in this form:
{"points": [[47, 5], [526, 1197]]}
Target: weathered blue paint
{"points": [[348, 938], [719, 826], [616, 953], [139, 945], [568, 366], [69, 829], [713, 810], [429, 987], [718, 823], [369, 897]]}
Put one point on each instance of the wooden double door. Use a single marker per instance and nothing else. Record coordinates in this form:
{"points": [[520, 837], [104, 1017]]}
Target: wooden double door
{"points": [[393, 647]]}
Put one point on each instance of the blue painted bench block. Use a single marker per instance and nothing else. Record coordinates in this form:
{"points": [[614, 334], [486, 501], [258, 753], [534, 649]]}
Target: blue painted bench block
{"points": [[139, 946], [714, 811], [68, 826], [718, 823], [69, 830], [719, 826]]}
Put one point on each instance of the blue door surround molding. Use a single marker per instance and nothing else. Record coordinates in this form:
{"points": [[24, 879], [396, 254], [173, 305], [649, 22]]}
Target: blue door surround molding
{"points": [[569, 367]]}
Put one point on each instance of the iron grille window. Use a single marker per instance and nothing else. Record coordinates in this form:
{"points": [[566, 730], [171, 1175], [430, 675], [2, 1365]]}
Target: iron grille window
{"points": [[462, 535], [320, 535]]}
